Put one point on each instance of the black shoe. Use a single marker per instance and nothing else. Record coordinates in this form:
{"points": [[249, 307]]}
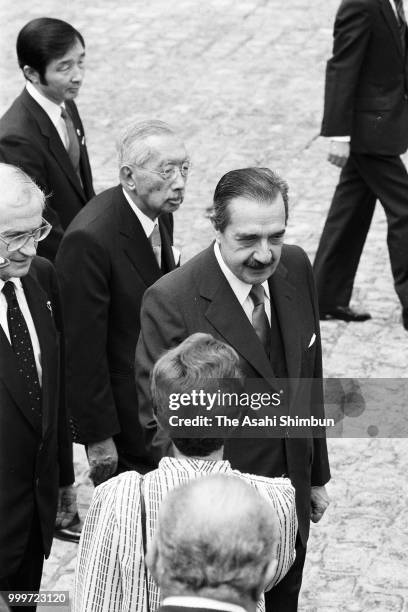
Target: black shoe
{"points": [[344, 313], [72, 533]]}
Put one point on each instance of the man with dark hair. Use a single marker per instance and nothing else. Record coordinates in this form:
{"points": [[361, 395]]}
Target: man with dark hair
{"points": [[214, 547], [115, 248], [366, 117], [42, 131], [111, 551], [257, 294], [36, 472]]}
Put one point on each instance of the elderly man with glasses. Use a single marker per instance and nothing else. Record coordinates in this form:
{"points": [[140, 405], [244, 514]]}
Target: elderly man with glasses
{"points": [[36, 471], [115, 248]]}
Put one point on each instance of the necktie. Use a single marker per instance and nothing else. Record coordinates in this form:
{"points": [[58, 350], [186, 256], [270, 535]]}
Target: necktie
{"points": [[23, 349], [73, 146], [155, 241], [260, 321], [402, 22]]}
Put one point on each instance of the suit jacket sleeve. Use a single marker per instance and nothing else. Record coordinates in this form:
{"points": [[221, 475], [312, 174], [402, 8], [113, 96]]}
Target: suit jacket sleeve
{"points": [[162, 327], [84, 267], [351, 35], [320, 472]]}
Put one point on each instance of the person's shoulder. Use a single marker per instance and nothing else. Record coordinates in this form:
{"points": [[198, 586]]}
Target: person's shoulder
{"points": [[119, 487], [97, 215], [293, 255], [42, 270], [183, 277], [355, 6]]}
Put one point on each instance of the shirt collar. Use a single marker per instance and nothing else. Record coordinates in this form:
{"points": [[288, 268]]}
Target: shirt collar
{"points": [[238, 286], [201, 602], [145, 221], [16, 281], [52, 109], [196, 465]]}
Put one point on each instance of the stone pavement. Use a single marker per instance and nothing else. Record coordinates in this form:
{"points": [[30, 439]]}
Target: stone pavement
{"points": [[243, 80]]}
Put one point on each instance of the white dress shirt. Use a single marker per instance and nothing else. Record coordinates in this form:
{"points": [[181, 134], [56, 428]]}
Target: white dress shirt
{"points": [[53, 111], [22, 302], [145, 221], [241, 289]]}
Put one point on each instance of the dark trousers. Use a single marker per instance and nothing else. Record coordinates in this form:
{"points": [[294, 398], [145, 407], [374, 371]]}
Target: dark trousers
{"points": [[284, 596], [363, 180], [28, 575]]}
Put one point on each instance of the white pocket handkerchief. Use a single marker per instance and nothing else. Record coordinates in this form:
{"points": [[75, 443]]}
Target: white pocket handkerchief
{"points": [[312, 340], [176, 255]]}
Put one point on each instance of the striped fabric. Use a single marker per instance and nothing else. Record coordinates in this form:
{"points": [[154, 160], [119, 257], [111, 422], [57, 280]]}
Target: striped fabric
{"points": [[109, 572]]}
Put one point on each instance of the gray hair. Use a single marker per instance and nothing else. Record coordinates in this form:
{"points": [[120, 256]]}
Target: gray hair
{"points": [[132, 148], [215, 538], [18, 188]]}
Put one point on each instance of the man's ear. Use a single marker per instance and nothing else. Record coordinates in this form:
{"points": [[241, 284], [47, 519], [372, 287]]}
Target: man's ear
{"points": [[127, 179], [31, 75]]}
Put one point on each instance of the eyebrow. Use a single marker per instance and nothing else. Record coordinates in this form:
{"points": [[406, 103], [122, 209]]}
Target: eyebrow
{"points": [[254, 235]]}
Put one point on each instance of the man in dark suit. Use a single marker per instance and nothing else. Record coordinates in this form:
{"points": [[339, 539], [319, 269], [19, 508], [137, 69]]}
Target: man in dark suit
{"points": [[42, 132], [366, 115], [214, 547], [256, 294], [36, 469], [115, 248]]}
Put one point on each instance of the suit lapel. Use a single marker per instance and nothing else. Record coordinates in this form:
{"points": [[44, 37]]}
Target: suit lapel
{"points": [[41, 312], [135, 242], [392, 23], [284, 296], [54, 141], [227, 316]]}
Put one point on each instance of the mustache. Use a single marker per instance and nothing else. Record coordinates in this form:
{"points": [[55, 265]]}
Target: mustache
{"points": [[258, 265]]}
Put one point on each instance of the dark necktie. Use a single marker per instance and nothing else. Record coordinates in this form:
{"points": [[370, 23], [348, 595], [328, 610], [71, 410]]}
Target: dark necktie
{"points": [[23, 349], [73, 147], [155, 241], [260, 321], [402, 22]]}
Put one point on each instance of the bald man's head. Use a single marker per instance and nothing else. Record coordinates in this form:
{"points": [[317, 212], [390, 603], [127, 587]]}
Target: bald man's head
{"points": [[217, 538]]}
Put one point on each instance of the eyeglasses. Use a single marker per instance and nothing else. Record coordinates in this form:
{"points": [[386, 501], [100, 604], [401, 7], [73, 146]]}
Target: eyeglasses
{"points": [[18, 242], [170, 170]]}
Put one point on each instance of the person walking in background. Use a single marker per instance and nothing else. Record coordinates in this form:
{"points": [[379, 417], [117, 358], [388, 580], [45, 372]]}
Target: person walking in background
{"points": [[366, 116], [42, 132]]}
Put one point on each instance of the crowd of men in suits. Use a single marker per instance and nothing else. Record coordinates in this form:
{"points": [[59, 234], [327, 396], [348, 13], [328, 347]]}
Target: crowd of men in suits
{"points": [[68, 335]]}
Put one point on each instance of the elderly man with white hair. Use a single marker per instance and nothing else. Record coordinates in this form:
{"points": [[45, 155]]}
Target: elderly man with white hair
{"points": [[115, 248], [36, 472]]}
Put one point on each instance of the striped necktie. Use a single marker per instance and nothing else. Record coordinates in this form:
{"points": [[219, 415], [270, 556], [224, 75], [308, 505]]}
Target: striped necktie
{"points": [[402, 22]]}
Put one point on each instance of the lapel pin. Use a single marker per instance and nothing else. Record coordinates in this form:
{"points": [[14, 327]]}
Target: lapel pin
{"points": [[83, 140], [49, 306], [78, 132]]}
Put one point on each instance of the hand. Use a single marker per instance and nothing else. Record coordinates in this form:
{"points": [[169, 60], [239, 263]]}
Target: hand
{"points": [[67, 507], [319, 501], [102, 459], [339, 153]]}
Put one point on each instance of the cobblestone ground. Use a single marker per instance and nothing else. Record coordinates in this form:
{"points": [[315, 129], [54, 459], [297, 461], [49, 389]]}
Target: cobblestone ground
{"points": [[243, 80]]}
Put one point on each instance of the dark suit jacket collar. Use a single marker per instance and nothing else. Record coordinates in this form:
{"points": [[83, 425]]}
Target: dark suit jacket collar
{"points": [[227, 316], [392, 23], [136, 244], [39, 306], [49, 132]]}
